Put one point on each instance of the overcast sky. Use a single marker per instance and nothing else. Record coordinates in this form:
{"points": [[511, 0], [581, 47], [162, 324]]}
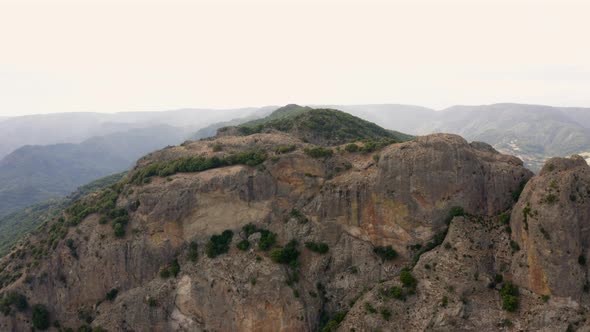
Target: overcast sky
{"points": [[132, 55]]}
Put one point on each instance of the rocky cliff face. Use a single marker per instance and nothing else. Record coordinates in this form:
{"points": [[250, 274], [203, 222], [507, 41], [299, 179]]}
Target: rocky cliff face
{"points": [[165, 267], [551, 225]]}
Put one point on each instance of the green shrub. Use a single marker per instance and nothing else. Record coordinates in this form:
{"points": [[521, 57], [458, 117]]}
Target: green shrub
{"points": [[301, 218], [518, 191], [526, 212], [120, 218], [549, 199], [370, 146], [249, 229], [171, 270], [351, 147], [318, 152], [456, 211], [13, 298], [514, 245], [197, 164], [285, 255], [504, 218], [219, 244], [119, 229], [40, 317], [437, 240], [84, 328], [333, 323], [152, 302], [112, 294], [385, 313], [386, 253], [267, 239], [217, 147], [582, 260], [319, 247], [193, 253], [408, 279], [244, 245], [393, 292], [70, 244], [509, 295], [165, 273], [369, 308], [174, 268]]}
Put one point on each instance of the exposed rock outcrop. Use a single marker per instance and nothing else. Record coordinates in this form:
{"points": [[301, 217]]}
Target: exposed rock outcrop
{"points": [[551, 225], [351, 202]]}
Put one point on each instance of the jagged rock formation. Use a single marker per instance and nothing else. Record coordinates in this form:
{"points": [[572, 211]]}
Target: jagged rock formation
{"points": [[551, 224], [154, 253]]}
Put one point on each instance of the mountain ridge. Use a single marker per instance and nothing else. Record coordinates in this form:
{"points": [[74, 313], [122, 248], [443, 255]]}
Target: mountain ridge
{"points": [[335, 241], [36, 173]]}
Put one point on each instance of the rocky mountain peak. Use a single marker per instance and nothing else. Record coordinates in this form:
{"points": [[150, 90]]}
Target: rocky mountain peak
{"points": [[372, 233], [558, 164]]}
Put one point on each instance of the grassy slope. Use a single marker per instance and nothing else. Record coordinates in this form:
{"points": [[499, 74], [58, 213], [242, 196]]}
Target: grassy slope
{"points": [[321, 125], [21, 222]]}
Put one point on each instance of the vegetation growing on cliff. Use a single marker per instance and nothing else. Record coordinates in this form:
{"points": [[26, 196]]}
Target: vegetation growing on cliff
{"points": [[439, 237], [325, 126], [509, 296], [393, 292], [193, 253], [408, 280], [196, 164], [170, 270], [12, 300], [318, 152], [385, 253], [219, 244], [319, 247], [40, 318], [285, 255], [332, 324]]}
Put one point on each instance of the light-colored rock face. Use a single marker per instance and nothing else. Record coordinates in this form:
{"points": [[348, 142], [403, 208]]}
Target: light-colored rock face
{"points": [[457, 291], [405, 199], [551, 224], [352, 201]]}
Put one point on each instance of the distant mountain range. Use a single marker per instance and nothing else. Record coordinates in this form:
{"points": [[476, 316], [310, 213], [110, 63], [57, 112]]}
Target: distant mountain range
{"points": [[48, 156], [534, 133], [45, 129], [36, 173]]}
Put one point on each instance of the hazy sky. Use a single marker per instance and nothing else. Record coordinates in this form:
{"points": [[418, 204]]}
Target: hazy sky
{"points": [[125, 55]]}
